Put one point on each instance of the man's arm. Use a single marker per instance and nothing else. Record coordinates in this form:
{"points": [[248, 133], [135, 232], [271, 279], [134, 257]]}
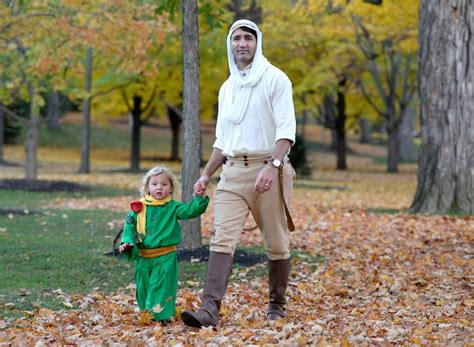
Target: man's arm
{"points": [[216, 160], [269, 173]]}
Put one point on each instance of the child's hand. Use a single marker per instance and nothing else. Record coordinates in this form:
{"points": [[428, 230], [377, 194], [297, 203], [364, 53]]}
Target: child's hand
{"points": [[198, 190], [125, 246]]}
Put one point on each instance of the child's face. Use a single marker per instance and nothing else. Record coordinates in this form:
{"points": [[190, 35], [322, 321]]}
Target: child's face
{"points": [[159, 186]]}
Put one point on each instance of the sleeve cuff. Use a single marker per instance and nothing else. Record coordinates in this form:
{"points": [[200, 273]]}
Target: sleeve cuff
{"points": [[286, 136]]}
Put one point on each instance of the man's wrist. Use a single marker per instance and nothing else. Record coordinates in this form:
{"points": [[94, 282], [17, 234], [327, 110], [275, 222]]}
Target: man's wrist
{"points": [[276, 163]]}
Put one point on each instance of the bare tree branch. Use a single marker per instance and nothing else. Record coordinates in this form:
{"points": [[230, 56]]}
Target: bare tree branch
{"points": [[406, 74], [151, 99], [125, 99], [111, 89], [374, 72], [369, 100], [175, 109], [13, 114]]}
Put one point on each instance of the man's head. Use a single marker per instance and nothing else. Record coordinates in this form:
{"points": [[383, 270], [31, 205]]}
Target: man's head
{"points": [[244, 42]]}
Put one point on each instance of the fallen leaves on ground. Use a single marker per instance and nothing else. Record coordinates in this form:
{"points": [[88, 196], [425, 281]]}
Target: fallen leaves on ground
{"points": [[386, 279]]}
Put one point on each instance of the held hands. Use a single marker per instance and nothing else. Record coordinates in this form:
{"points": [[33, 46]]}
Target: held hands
{"points": [[125, 246], [201, 185], [266, 178]]}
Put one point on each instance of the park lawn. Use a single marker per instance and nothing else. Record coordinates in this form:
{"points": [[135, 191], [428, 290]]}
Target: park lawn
{"points": [[109, 143], [44, 249], [50, 250]]}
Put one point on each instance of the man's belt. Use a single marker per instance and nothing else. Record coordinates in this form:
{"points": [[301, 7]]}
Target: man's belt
{"points": [[156, 252]]}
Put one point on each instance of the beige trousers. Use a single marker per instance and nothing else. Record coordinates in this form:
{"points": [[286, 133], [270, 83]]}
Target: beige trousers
{"points": [[235, 197]]}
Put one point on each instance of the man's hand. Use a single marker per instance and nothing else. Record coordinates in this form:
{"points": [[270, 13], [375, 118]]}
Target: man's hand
{"points": [[125, 246], [266, 178], [201, 185]]}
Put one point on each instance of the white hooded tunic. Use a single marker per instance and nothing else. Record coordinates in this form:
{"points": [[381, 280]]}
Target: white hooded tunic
{"points": [[255, 105]]}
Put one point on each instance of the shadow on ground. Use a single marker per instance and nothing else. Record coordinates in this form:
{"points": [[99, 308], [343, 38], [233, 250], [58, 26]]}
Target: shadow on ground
{"points": [[43, 186]]}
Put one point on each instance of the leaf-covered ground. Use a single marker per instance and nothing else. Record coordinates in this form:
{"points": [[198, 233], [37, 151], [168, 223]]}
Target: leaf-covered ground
{"points": [[388, 277]]}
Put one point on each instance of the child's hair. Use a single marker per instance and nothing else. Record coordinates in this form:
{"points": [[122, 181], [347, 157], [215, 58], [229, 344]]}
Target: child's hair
{"points": [[156, 171]]}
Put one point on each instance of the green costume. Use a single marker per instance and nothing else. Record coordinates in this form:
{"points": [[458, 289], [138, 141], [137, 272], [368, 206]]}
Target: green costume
{"points": [[157, 278]]}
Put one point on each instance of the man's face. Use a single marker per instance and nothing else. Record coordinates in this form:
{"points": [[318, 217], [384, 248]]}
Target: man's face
{"points": [[243, 45]]}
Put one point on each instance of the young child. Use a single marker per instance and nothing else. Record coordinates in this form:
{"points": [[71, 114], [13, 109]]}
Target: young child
{"points": [[150, 236]]}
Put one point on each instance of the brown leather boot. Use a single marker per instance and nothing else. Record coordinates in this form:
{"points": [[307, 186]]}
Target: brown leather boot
{"points": [[278, 272], [218, 271]]}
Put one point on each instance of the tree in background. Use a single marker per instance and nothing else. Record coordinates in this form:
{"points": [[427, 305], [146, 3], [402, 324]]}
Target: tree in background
{"points": [[27, 57], [324, 66], [446, 80], [391, 70], [139, 111], [84, 50], [329, 64], [253, 11], [124, 37]]}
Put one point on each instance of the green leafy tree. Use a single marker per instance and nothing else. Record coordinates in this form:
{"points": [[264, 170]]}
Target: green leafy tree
{"points": [[390, 55], [119, 38], [26, 60]]}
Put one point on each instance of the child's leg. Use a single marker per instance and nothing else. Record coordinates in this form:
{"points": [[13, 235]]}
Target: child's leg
{"points": [[142, 278], [162, 288]]}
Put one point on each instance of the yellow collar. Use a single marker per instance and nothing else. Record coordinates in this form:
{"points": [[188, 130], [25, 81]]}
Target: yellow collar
{"points": [[148, 200], [151, 201]]}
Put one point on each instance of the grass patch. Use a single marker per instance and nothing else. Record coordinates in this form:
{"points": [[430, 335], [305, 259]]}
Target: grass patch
{"points": [[384, 210], [111, 139], [380, 161], [69, 135], [454, 214], [57, 250], [192, 275], [308, 185], [30, 200]]}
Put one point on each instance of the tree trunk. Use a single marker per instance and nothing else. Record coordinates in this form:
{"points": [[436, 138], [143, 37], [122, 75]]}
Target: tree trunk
{"points": [[191, 229], [365, 131], [393, 150], [2, 132], [175, 123], [84, 166], [136, 124], [392, 133], [54, 104], [407, 151], [341, 147], [446, 80], [304, 122], [327, 117], [31, 142]]}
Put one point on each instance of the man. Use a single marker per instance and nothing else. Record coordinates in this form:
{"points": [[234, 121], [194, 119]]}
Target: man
{"points": [[255, 130]]}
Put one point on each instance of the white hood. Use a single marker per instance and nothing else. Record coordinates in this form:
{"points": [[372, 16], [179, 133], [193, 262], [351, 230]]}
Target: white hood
{"points": [[238, 90]]}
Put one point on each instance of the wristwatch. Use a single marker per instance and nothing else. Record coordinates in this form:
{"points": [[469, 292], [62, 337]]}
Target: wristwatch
{"points": [[276, 163]]}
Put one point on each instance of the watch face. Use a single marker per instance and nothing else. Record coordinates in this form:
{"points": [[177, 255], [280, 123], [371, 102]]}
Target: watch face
{"points": [[276, 162]]}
